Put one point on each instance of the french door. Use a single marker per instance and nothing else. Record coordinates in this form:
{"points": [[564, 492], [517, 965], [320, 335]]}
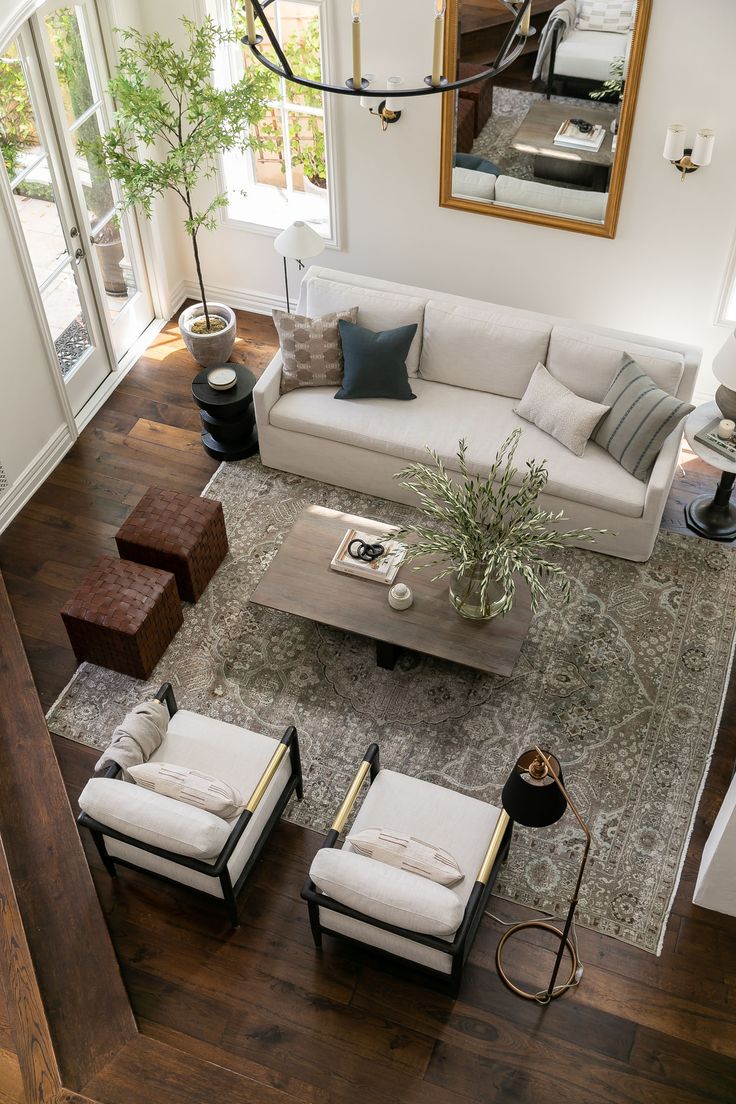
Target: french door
{"points": [[85, 252]]}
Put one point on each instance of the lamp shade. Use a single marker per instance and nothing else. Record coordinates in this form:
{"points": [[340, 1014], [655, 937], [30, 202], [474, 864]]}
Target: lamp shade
{"points": [[531, 800], [299, 242], [724, 363]]}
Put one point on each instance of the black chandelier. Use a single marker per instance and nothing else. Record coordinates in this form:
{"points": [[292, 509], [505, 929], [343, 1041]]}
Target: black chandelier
{"points": [[510, 50]]}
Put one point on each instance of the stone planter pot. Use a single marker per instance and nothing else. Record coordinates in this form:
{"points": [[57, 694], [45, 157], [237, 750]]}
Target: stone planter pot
{"points": [[209, 350]]}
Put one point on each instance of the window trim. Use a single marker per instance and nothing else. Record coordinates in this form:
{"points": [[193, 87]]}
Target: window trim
{"points": [[219, 9]]}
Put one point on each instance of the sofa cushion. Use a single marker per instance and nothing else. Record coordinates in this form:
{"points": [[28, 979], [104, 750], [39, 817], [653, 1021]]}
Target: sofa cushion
{"points": [[587, 362], [154, 819], [589, 54], [439, 418], [473, 183], [386, 893], [378, 310], [641, 418], [550, 198], [483, 348], [547, 403], [375, 363]]}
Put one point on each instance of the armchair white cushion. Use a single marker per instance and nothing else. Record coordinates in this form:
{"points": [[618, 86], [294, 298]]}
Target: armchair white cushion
{"points": [[154, 818], [387, 893], [589, 55]]}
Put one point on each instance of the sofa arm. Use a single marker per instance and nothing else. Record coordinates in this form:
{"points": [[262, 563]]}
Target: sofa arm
{"points": [[663, 473], [267, 390]]}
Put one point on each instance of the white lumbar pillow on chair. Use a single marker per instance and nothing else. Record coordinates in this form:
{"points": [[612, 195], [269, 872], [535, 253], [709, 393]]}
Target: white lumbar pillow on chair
{"points": [[407, 853], [190, 786]]}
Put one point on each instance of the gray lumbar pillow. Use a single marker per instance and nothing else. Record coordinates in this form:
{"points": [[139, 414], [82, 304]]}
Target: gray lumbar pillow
{"points": [[311, 349], [642, 415], [551, 406]]}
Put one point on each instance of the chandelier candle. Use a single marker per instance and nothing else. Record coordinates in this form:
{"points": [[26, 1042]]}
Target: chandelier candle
{"points": [[439, 34], [250, 22], [357, 77], [525, 21]]}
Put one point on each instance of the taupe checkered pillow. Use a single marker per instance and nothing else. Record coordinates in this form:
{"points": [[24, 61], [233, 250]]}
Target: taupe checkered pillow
{"points": [[606, 15], [311, 349]]}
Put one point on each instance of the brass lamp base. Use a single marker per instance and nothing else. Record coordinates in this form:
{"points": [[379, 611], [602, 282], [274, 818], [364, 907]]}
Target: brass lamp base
{"points": [[540, 996]]}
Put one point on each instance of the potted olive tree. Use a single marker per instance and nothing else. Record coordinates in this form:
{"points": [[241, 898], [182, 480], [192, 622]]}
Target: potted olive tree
{"points": [[171, 124], [487, 532]]}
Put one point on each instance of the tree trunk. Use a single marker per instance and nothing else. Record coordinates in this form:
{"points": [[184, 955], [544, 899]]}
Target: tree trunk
{"points": [[197, 263]]}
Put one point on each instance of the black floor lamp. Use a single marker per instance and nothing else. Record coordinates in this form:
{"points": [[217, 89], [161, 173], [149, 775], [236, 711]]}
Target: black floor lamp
{"points": [[535, 796], [298, 242]]}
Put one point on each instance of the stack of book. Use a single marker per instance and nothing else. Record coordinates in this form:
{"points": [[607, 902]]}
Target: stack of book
{"points": [[382, 570], [708, 435], [571, 136]]}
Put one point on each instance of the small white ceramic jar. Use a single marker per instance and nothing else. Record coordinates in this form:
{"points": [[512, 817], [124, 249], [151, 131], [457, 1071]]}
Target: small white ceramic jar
{"points": [[400, 596]]}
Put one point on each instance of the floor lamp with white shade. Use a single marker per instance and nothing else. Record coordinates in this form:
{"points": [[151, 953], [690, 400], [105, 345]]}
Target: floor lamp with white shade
{"points": [[298, 242]]}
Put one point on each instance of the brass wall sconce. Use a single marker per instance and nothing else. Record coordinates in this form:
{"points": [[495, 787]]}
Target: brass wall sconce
{"points": [[688, 160], [388, 110]]}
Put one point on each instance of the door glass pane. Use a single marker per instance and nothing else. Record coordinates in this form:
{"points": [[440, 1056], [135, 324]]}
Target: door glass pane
{"points": [[66, 321], [96, 186], [116, 265], [39, 218], [19, 140], [70, 61]]}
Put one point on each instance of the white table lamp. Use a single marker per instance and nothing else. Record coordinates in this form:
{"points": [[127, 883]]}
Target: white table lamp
{"points": [[724, 369], [298, 242]]}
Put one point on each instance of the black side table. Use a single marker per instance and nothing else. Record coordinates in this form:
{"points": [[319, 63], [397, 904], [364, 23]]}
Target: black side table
{"points": [[228, 418], [713, 517]]}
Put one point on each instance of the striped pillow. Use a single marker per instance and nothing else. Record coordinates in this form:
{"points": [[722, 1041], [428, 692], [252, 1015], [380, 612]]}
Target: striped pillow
{"points": [[407, 853], [190, 786], [606, 15], [642, 415]]}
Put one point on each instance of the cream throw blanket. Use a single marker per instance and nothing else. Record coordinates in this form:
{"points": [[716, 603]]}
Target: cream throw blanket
{"points": [[565, 13], [137, 737]]}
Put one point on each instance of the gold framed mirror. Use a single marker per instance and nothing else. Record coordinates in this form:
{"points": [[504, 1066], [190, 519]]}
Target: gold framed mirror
{"points": [[547, 140]]}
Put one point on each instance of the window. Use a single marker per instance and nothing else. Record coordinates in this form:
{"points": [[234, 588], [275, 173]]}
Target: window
{"points": [[286, 176]]}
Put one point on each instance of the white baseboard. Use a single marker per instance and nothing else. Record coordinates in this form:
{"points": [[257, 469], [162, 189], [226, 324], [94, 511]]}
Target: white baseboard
{"points": [[236, 298], [29, 480]]}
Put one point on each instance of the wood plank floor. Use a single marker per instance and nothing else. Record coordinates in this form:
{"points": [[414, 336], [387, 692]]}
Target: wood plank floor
{"points": [[339, 1027]]}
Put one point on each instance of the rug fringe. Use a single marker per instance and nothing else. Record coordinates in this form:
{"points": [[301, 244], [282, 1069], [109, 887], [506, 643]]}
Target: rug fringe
{"points": [[696, 806]]}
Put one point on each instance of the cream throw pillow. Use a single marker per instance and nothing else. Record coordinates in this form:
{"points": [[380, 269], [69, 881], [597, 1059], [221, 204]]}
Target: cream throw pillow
{"points": [[615, 16], [548, 404], [408, 853], [191, 786]]}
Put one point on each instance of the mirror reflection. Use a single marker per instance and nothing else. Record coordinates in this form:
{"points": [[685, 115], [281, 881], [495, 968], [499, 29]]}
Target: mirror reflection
{"points": [[544, 136]]}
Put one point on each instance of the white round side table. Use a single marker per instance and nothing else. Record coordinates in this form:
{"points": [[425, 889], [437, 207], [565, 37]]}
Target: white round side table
{"points": [[714, 518]]}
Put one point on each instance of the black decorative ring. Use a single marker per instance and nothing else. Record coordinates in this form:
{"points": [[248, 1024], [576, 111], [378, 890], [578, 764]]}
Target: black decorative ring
{"points": [[365, 552]]}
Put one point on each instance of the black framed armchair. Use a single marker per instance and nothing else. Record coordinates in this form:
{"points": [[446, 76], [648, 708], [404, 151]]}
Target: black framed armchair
{"points": [[134, 827], [398, 913], [581, 60]]}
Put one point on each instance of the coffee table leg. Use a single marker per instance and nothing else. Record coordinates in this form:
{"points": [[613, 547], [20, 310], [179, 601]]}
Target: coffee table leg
{"points": [[714, 518], [386, 655]]}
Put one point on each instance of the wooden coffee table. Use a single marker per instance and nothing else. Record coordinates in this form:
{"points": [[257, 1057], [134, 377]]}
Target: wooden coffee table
{"points": [[300, 581], [587, 168]]}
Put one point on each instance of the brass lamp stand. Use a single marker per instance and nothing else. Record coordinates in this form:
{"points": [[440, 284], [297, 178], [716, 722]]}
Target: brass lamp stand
{"points": [[535, 796]]}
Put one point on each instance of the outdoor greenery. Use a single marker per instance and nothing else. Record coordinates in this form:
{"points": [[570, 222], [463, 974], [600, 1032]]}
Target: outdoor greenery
{"points": [[17, 125], [172, 122], [487, 525]]}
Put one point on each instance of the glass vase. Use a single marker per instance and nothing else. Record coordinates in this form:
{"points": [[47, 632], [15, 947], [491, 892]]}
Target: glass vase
{"points": [[465, 593]]}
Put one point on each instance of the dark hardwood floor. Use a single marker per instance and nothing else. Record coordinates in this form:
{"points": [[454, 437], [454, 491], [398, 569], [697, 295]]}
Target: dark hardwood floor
{"points": [[339, 1027]]}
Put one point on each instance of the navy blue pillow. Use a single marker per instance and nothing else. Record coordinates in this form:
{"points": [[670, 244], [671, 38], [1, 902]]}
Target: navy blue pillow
{"points": [[375, 363]]}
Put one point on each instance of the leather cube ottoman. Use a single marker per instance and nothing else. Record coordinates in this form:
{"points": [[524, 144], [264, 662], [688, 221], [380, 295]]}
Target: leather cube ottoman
{"points": [[180, 533], [123, 616], [480, 95]]}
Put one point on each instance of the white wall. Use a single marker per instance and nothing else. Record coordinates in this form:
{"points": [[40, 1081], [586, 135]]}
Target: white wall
{"points": [[661, 275]]}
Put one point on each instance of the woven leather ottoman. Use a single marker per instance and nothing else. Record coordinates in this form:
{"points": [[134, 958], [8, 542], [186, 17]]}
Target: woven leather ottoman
{"points": [[123, 616], [178, 533]]}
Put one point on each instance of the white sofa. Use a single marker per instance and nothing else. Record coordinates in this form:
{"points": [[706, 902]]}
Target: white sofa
{"points": [[470, 362], [512, 191]]}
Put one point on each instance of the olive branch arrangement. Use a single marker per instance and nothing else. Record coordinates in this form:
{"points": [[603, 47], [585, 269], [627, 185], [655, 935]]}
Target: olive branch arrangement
{"points": [[488, 524]]}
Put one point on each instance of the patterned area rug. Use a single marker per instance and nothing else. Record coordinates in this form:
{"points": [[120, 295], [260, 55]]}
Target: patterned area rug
{"points": [[625, 684]]}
